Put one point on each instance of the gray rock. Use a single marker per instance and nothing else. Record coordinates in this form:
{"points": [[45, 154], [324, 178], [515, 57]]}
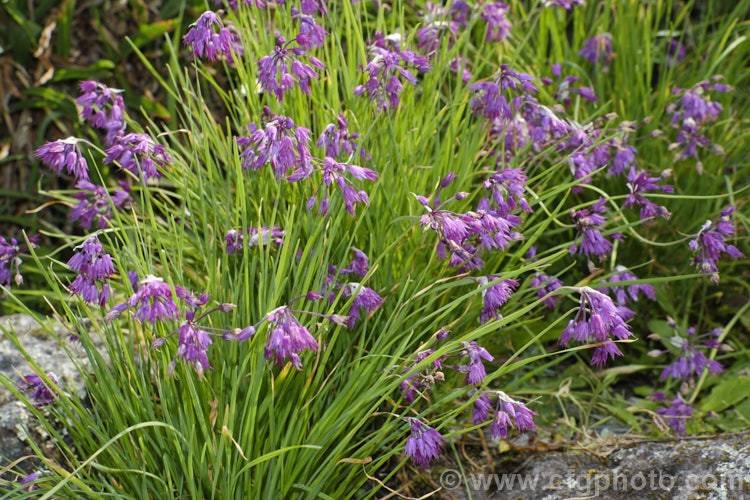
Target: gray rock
{"points": [[710, 468]]}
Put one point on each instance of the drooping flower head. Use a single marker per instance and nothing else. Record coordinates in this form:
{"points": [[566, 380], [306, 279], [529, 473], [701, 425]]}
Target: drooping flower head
{"points": [[236, 239], [505, 191], [597, 320], [630, 293], [588, 221], [547, 284], [495, 14], [139, 155], [281, 143], [95, 204], [204, 41], [287, 338], [424, 443], [103, 107], [423, 380], [460, 66], [598, 49], [388, 63], [506, 408], [66, 154], [334, 175], [504, 95], [710, 243], [364, 298], [93, 265], [678, 412], [474, 368], [338, 141], [639, 183], [10, 259], [688, 350], [39, 391], [494, 297], [288, 67]]}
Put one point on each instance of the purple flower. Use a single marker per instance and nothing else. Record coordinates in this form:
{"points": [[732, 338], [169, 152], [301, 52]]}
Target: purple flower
{"points": [[588, 220], [287, 338], [504, 95], [424, 444], [92, 264], [435, 25], [96, 98], [625, 294], [566, 4], [506, 190], [460, 66], [64, 153], [423, 380], [383, 85], [564, 87], [95, 203], [689, 358], [38, 389], [677, 413], [506, 408], [234, 239], [495, 15], [358, 265], [547, 284], [639, 183], [310, 34], [597, 49], [597, 320], [474, 369], [364, 298], [494, 297], [710, 243], [481, 407], [281, 143], [139, 155], [34, 476], [675, 53], [333, 174], [10, 258], [337, 140], [283, 69], [203, 40], [153, 301]]}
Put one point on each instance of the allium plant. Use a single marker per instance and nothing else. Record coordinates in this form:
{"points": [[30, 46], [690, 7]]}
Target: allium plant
{"points": [[275, 309]]}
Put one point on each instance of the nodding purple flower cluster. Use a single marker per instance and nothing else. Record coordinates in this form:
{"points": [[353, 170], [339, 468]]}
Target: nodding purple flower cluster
{"points": [[597, 320], [588, 223], [95, 204], [153, 300], [338, 141], [93, 265], [424, 444], [675, 53], [495, 14], [710, 243], [389, 62], [310, 34], [639, 183], [139, 155], [30, 478], [10, 259], [460, 66], [692, 115], [494, 297], [364, 297], [66, 154], [505, 408], [288, 67], [281, 143], [547, 284], [474, 369], [630, 293], [424, 380], [566, 4], [564, 89], [286, 337], [203, 40], [103, 108], [465, 235], [678, 412], [333, 175], [504, 95], [39, 391], [598, 49], [236, 239], [436, 23], [689, 359], [505, 192]]}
